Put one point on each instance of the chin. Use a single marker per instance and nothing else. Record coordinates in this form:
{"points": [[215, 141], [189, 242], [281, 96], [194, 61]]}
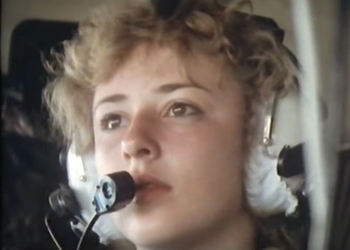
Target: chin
{"points": [[153, 238], [152, 233]]}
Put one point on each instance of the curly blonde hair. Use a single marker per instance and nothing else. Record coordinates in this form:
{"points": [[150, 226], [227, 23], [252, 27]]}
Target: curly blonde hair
{"points": [[106, 39]]}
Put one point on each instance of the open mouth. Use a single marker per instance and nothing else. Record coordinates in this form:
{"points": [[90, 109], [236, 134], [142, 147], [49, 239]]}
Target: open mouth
{"points": [[145, 186], [150, 189]]}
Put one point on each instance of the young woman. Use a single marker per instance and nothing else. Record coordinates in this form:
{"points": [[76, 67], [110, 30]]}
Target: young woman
{"points": [[174, 97]]}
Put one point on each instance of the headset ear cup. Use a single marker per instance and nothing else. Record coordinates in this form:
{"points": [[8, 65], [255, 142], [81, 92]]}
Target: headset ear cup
{"points": [[83, 179], [267, 192], [63, 202]]}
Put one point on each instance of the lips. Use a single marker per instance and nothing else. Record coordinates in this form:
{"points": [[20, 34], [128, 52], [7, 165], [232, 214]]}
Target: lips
{"points": [[149, 188]]}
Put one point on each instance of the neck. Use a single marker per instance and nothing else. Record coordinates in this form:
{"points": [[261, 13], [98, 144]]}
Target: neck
{"points": [[235, 234], [238, 234]]}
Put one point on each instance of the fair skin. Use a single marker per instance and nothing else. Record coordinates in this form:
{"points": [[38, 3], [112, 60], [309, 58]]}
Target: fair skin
{"points": [[151, 120]]}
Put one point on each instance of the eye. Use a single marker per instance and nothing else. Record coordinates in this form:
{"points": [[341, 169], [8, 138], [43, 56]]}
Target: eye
{"points": [[182, 109], [111, 122]]}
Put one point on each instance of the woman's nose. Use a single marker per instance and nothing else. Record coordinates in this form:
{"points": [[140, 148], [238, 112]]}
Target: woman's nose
{"points": [[140, 140]]}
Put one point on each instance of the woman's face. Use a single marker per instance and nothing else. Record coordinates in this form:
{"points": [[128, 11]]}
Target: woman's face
{"points": [[181, 141]]}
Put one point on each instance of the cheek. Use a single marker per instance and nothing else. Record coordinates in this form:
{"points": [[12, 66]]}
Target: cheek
{"points": [[209, 140], [207, 169], [210, 155]]}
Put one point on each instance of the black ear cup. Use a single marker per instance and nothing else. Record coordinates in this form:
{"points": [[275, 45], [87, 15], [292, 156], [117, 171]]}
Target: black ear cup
{"points": [[291, 161], [114, 192], [63, 202], [66, 223]]}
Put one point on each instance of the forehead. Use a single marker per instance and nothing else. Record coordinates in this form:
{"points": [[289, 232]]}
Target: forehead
{"points": [[168, 63]]}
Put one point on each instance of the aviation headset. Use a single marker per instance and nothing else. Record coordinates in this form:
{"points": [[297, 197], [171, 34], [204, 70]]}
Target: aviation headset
{"points": [[274, 179]]}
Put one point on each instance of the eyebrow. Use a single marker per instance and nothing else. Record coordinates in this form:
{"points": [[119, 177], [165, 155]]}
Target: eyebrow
{"points": [[170, 87], [111, 98], [164, 89]]}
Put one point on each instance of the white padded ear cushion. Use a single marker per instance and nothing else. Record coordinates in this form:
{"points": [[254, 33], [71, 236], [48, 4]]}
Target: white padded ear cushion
{"points": [[83, 178], [267, 193]]}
